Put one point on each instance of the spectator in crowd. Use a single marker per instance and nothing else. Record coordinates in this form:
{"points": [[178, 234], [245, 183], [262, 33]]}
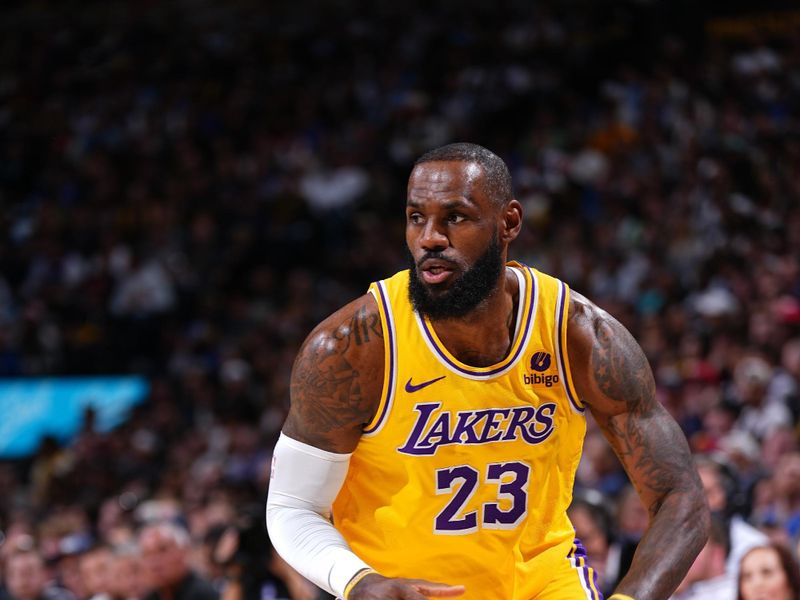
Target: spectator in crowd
{"points": [[165, 212], [165, 551], [769, 572], [780, 495], [631, 518], [708, 577], [762, 414], [26, 578], [252, 568], [96, 571], [127, 578], [785, 386], [600, 468], [609, 555], [722, 491], [68, 574], [17, 538]]}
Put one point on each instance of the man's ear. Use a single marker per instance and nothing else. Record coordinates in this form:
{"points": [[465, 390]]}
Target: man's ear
{"points": [[512, 221]]}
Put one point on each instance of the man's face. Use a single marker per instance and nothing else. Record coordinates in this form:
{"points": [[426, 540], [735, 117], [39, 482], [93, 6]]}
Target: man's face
{"points": [[452, 233], [162, 558], [25, 576], [70, 574], [126, 578], [94, 569]]}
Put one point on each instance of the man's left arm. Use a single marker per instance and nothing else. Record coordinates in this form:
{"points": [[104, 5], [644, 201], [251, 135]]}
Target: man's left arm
{"points": [[612, 377]]}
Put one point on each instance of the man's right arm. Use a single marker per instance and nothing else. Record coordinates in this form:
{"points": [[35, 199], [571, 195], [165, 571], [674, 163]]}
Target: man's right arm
{"points": [[336, 387], [337, 379]]}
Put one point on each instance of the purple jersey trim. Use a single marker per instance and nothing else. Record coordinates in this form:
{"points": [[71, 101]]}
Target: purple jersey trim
{"points": [[577, 556], [392, 360], [560, 351]]}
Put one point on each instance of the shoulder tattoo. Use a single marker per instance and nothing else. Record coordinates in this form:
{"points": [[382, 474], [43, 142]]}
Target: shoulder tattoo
{"points": [[620, 367], [361, 329], [334, 383]]}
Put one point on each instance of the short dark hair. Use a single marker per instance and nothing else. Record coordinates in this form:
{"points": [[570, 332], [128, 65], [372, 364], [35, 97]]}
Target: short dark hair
{"points": [[496, 174]]}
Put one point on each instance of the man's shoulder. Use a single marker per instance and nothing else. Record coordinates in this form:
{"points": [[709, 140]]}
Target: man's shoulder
{"points": [[356, 324], [352, 335], [337, 378]]}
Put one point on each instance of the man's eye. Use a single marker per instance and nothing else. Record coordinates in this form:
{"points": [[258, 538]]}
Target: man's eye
{"points": [[415, 218], [456, 218]]}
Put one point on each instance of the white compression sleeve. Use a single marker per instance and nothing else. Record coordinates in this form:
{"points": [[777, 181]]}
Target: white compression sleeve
{"points": [[303, 485]]}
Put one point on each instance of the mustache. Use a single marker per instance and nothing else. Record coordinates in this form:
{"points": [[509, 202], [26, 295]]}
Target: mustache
{"points": [[436, 256]]}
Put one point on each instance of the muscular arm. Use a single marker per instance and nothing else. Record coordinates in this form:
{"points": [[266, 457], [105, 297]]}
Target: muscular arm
{"points": [[335, 388], [331, 400], [612, 376], [337, 378]]}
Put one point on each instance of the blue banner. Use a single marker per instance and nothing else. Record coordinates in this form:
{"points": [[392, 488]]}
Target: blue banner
{"points": [[32, 408]]}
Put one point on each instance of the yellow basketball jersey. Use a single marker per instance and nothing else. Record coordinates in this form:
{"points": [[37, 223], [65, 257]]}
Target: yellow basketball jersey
{"points": [[465, 474]]}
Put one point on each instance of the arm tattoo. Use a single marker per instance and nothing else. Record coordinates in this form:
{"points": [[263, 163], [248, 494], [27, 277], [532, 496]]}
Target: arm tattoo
{"points": [[652, 449], [623, 374], [325, 389], [659, 465], [621, 369], [332, 394], [359, 328]]}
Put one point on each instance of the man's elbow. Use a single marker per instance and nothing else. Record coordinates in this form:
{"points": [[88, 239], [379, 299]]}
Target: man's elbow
{"points": [[687, 509]]}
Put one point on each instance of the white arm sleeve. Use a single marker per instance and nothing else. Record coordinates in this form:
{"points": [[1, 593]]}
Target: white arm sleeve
{"points": [[303, 485]]}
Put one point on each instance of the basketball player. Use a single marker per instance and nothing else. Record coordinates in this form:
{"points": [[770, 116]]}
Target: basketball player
{"points": [[441, 417]]}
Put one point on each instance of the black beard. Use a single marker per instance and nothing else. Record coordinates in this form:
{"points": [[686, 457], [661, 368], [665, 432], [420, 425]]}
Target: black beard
{"points": [[471, 288]]}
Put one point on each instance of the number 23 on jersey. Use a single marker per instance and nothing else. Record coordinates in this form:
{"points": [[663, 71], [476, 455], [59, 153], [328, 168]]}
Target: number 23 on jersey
{"points": [[462, 482]]}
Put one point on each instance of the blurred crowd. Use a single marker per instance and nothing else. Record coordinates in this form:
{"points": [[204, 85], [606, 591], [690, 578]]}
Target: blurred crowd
{"points": [[188, 188]]}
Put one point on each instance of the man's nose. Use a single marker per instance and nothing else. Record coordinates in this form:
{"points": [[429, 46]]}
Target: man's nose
{"points": [[433, 237]]}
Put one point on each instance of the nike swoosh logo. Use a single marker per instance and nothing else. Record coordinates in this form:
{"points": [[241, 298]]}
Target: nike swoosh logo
{"points": [[411, 388]]}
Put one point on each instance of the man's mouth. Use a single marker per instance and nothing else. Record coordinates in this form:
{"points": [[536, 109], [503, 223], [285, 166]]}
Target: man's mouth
{"points": [[436, 274], [433, 271]]}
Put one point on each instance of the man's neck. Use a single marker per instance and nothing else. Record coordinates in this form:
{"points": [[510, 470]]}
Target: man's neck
{"points": [[484, 336]]}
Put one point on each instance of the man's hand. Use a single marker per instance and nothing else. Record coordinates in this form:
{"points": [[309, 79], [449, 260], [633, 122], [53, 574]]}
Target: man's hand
{"points": [[377, 587]]}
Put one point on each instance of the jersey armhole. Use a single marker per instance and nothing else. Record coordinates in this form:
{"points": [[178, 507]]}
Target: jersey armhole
{"points": [[523, 284], [562, 316], [378, 291]]}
